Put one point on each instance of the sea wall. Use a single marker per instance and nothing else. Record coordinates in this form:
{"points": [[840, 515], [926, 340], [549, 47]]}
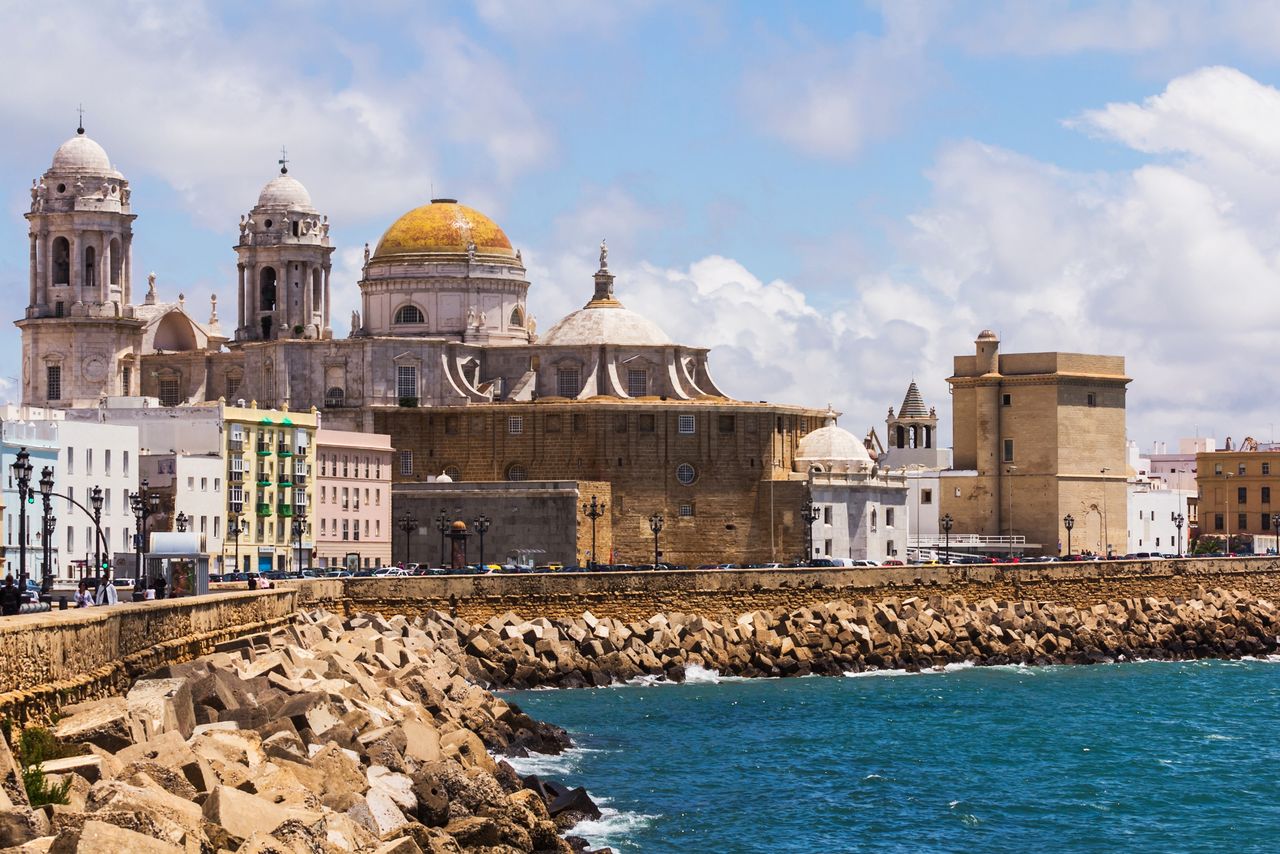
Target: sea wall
{"points": [[639, 595], [62, 657]]}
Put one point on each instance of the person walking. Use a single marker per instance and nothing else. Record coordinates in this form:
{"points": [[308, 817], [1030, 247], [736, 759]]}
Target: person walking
{"points": [[106, 593], [83, 597], [10, 598]]}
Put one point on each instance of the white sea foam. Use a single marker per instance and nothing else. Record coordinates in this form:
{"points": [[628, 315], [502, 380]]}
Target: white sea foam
{"points": [[696, 674], [613, 827], [547, 764]]}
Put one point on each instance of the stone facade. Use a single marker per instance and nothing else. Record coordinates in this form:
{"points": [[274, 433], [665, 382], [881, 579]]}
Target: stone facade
{"points": [[1045, 434], [1239, 492]]}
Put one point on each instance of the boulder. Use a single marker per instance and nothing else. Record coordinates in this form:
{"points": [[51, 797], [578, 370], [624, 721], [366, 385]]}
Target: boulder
{"points": [[20, 825], [243, 814], [104, 723], [99, 836], [162, 705]]}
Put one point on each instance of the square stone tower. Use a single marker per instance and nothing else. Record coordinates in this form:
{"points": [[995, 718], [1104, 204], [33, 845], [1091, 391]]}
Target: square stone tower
{"points": [[1045, 434]]}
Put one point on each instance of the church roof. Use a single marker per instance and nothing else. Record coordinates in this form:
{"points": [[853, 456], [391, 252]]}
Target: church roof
{"points": [[606, 325], [284, 191], [913, 404], [832, 445], [82, 154], [444, 226]]}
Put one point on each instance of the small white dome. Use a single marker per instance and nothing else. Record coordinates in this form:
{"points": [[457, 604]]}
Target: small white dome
{"points": [[81, 154], [835, 448], [444, 478], [284, 192], [606, 325]]}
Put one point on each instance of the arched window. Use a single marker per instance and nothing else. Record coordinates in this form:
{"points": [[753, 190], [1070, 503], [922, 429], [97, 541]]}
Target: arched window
{"points": [[901, 437], [90, 264], [517, 317], [568, 381], [516, 471], [873, 519], [686, 474], [117, 260], [267, 289], [455, 473], [61, 261], [409, 314], [334, 396]]}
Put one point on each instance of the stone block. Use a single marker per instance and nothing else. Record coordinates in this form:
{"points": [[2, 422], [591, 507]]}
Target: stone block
{"points": [[105, 723], [162, 705], [243, 814], [98, 836]]}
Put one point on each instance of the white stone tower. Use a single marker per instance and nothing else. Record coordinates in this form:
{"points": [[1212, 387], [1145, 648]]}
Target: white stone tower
{"points": [[284, 263], [80, 338], [912, 437]]}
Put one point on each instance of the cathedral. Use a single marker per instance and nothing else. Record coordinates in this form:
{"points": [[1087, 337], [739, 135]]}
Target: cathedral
{"points": [[443, 356]]}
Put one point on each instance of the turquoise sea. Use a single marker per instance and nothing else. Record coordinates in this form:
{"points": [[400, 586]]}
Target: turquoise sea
{"points": [[1147, 756]]}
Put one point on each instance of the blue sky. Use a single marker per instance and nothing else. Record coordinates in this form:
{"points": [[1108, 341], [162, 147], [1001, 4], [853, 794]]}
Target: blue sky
{"points": [[835, 197]]}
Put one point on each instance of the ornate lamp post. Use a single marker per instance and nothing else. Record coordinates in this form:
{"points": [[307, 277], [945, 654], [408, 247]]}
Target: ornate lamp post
{"points": [[299, 526], [593, 512], [947, 522], [809, 514], [481, 524], [142, 502], [655, 524], [442, 525], [22, 472], [182, 521], [1069, 522], [235, 529], [95, 501], [1180, 520], [46, 493], [408, 524]]}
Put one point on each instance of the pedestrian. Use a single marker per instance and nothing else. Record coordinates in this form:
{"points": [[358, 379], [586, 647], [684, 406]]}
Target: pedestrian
{"points": [[106, 594], [253, 581], [83, 599], [10, 597]]}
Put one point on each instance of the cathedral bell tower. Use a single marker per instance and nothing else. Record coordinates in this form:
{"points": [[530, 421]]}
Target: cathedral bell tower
{"points": [[284, 263], [80, 339]]}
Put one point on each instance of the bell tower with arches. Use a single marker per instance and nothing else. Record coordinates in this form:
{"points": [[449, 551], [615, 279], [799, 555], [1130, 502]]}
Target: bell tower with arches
{"points": [[283, 265], [912, 438], [81, 340]]}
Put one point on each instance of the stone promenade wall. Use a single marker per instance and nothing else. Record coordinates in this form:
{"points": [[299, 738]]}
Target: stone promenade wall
{"points": [[61, 657], [640, 595]]}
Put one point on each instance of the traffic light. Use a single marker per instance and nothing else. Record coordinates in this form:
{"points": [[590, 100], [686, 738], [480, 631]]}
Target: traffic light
{"points": [[31, 498]]}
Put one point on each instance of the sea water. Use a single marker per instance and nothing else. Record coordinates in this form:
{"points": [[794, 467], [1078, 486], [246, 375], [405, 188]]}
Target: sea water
{"points": [[1146, 756]]}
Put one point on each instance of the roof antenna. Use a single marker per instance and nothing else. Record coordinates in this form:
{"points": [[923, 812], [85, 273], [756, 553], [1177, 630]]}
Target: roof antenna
{"points": [[283, 161], [80, 126]]}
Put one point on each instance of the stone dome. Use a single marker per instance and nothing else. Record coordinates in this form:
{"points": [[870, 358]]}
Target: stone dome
{"points": [[82, 154], [446, 227], [283, 191], [596, 325], [834, 448]]}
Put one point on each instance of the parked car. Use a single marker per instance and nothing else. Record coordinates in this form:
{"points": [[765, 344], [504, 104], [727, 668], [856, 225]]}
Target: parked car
{"points": [[893, 562]]}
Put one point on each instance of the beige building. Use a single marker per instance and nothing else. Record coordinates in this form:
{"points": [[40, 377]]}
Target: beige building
{"points": [[1239, 496], [351, 518], [1042, 436]]}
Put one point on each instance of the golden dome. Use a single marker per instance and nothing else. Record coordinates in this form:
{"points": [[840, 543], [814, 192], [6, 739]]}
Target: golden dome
{"points": [[444, 226]]}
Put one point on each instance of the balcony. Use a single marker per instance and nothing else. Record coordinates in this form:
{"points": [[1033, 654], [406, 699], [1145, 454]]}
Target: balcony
{"points": [[286, 479], [264, 449], [284, 509], [235, 476], [235, 446], [299, 479], [284, 450], [264, 509]]}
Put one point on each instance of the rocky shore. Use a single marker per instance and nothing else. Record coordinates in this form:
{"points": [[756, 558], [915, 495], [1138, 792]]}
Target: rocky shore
{"points": [[840, 637], [329, 735]]}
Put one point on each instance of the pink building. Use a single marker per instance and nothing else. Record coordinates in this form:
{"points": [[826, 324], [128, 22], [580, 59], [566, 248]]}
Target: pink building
{"points": [[351, 517]]}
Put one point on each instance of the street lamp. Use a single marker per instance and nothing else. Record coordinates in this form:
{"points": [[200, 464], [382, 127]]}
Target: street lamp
{"points": [[46, 494], [442, 525], [1275, 520], [235, 529], [1069, 522], [593, 512], [481, 524], [95, 501], [1009, 470], [655, 524], [299, 526], [947, 522], [1226, 504], [182, 521], [22, 472], [408, 524], [142, 502], [1105, 538], [1179, 520], [809, 514]]}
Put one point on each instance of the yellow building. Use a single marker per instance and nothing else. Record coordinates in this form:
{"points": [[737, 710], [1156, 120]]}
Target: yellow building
{"points": [[270, 457], [1239, 495], [1042, 436]]}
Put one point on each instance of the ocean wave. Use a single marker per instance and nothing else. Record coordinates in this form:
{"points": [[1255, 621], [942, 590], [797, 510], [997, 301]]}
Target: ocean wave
{"points": [[613, 828], [548, 764]]}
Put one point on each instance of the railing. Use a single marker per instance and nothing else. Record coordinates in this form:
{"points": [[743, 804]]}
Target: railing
{"points": [[235, 476], [264, 509], [284, 509], [963, 540], [264, 449], [284, 450]]}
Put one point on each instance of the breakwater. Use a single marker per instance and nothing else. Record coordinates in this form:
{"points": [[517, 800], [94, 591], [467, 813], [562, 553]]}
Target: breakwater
{"points": [[838, 637]]}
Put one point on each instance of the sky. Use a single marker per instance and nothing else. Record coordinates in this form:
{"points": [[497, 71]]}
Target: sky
{"points": [[833, 197]]}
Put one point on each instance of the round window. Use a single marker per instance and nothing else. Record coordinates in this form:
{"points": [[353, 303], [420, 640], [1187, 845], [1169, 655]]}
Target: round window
{"points": [[62, 188], [267, 223], [686, 473], [515, 471]]}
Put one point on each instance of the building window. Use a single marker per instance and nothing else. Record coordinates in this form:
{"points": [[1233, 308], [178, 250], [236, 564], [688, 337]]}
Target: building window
{"points": [[890, 548], [1266, 468], [1240, 469], [516, 471], [637, 382], [169, 395], [888, 517], [451, 425], [1092, 398], [579, 423], [454, 473], [1006, 400], [334, 397], [1217, 468], [686, 510], [873, 520], [684, 424], [826, 515], [1242, 495], [1008, 450], [726, 423], [553, 424], [568, 382], [406, 381], [1242, 521], [1266, 521], [645, 423], [1218, 521], [53, 381], [127, 380], [233, 385], [686, 474], [826, 548], [619, 423], [1266, 495], [406, 463], [926, 496], [515, 424], [409, 314]]}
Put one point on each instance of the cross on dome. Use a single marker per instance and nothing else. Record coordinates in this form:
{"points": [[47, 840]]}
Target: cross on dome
{"points": [[283, 161]]}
